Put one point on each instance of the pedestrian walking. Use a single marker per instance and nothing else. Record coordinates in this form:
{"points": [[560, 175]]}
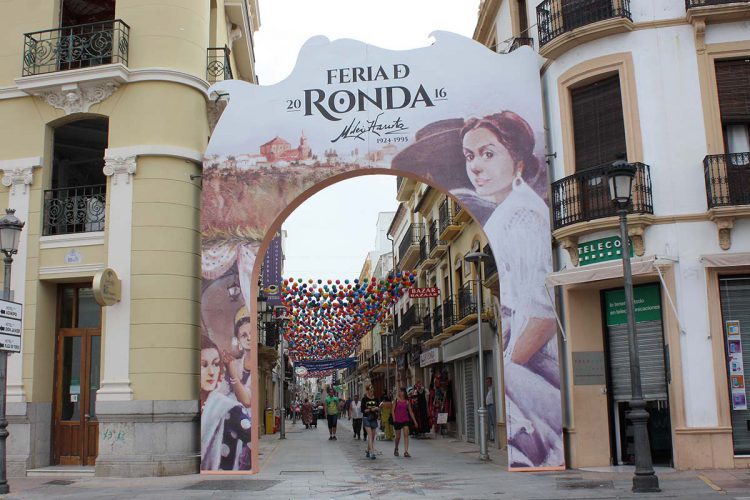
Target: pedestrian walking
{"points": [[386, 407], [370, 420], [355, 413], [307, 413], [402, 415], [332, 413], [489, 403]]}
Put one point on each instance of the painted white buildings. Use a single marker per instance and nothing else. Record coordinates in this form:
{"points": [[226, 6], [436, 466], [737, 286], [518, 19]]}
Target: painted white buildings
{"points": [[666, 84]]}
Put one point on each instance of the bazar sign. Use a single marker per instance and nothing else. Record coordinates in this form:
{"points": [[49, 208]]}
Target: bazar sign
{"points": [[601, 250], [423, 293]]}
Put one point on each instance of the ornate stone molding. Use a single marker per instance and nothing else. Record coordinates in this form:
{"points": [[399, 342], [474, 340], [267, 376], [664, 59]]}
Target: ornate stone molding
{"points": [[114, 166], [22, 176], [635, 232], [75, 98], [570, 244], [19, 172], [724, 218], [699, 28]]}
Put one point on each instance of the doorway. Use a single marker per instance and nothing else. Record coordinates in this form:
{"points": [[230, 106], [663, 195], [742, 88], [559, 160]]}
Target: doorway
{"points": [[77, 373]]}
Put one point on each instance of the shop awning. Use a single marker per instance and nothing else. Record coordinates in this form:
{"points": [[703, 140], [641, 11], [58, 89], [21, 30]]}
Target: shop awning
{"points": [[597, 272], [726, 259]]}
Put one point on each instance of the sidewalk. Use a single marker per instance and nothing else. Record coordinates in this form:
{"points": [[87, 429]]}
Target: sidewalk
{"points": [[308, 465]]}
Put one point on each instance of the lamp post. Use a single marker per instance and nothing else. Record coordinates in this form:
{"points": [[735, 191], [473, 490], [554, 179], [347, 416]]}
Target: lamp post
{"points": [[477, 258], [10, 234], [621, 176]]}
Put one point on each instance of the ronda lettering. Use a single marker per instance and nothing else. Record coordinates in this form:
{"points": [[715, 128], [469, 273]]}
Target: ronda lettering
{"points": [[383, 98]]}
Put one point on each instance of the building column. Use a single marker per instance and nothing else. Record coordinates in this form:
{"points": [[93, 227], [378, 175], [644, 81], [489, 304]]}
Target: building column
{"points": [[18, 175], [116, 332]]}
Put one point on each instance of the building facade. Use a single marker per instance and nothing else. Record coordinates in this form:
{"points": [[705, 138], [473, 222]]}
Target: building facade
{"points": [[105, 119], [664, 86]]}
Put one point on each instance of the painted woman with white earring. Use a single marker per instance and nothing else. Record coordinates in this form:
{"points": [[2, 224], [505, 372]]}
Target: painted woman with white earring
{"points": [[502, 167], [239, 369]]}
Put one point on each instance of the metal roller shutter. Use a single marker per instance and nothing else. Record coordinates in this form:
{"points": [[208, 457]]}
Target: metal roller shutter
{"points": [[651, 352], [469, 398], [735, 305]]}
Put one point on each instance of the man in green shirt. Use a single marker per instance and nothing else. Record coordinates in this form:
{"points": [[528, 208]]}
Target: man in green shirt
{"points": [[332, 413]]}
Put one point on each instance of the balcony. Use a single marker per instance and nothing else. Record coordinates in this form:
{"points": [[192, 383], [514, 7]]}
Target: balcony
{"points": [[717, 10], [363, 360], [218, 65], [449, 228], [404, 188], [438, 247], [408, 248], [411, 323], [521, 41], [467, 305], [74, 47], [268, 340], [426, 258], [74, 210], [584, 196], [461, 216], [451, 317], [491, 278], [727, 191], [565, 24]]}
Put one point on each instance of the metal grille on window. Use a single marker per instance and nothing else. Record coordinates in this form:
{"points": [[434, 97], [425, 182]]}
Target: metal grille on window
{"points": [[469, 398]]}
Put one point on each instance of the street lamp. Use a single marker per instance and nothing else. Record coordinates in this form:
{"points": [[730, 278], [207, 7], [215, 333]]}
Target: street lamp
{"points": [[621, 176], [477, 258], [10, 235]]}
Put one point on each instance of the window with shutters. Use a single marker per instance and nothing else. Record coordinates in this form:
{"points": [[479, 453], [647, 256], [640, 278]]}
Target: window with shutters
{"points": [[733, 82], [598, 124]]}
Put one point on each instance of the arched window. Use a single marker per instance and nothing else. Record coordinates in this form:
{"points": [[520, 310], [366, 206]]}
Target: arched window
{"points": [[75, 203]]}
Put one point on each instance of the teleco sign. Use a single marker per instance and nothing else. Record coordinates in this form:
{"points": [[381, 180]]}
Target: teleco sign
{"points": [[601, 250], [424, 293]]}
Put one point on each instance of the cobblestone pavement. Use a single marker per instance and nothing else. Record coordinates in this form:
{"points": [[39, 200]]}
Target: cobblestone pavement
{"points": [[308, 465]]}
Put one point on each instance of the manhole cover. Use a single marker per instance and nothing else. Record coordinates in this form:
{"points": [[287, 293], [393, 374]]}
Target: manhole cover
{"points": [[60, 482], [585, 485], [234, 485], [297, 472]]}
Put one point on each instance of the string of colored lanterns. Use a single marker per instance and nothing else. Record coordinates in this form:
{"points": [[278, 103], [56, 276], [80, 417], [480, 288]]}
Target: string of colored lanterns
{"points": [[328, 318]]}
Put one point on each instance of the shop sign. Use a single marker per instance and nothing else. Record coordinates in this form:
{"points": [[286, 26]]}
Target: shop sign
{"points": [[107, 287], [429, 357], [646, 299], [424, 293], [588, 368], [601, 250], [736, 365], [10, 326]]}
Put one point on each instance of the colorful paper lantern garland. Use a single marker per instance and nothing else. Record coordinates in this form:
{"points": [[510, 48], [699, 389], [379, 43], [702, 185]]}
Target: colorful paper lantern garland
{"points": [[328, 318]]}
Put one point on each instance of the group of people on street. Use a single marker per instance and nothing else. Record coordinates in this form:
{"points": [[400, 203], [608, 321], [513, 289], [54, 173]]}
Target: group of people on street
{"points": [[368, 411]]}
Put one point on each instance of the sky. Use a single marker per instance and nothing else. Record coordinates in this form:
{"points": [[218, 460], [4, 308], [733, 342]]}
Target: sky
{"points": [[335, 246]]}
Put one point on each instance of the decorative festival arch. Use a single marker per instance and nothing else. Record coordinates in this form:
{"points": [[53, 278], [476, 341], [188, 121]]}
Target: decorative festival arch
{"points": [[454, 115]]}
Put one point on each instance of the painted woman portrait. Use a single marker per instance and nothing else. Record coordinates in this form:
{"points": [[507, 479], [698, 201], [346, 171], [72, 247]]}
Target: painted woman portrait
{"points": [[502, 182], [225, 422]]}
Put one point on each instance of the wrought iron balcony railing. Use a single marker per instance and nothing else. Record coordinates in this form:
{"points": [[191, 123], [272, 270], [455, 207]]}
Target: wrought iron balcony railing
{"points": [[450, 317], [435, 235], [424, 249], [490, 266], [445, 214], [412, 236], [74, 47], [727, 179], [412, 317], [437, 320], [520, 41], [556, 17], [585, 196], [269, 334], [689, 4], [218, 65], [467, 303], [74, 210]]}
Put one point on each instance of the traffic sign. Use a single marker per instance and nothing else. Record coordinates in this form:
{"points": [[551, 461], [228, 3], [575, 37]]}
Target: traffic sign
{"points": [[10, 326]]}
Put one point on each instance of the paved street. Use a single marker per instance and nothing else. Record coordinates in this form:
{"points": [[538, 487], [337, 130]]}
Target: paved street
{"points": [[308, 465]]}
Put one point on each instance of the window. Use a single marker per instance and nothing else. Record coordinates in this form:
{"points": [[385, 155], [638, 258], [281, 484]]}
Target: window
{"points": [[598, 124], [733, 82]]}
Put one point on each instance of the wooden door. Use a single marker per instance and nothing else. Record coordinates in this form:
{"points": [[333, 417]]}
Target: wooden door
{"points": [[77, 373]]}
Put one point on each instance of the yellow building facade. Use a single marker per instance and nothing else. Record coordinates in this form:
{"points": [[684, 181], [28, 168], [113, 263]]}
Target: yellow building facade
{"points": [[105, 116]]}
